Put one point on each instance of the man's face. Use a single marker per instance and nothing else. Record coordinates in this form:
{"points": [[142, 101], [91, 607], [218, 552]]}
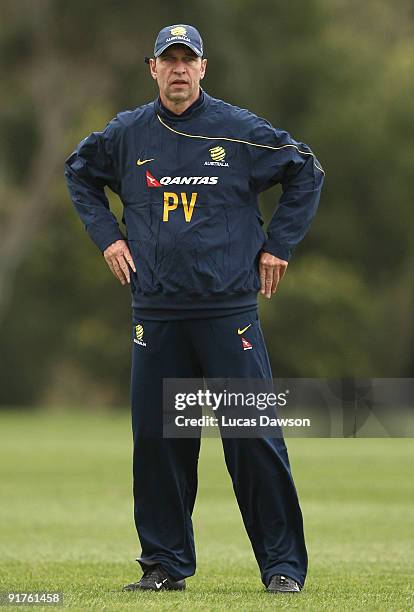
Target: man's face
{"points": [[178, 72]]}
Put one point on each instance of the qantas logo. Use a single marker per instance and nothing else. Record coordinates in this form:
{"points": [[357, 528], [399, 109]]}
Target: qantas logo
{"points": [[180, 180], [151, 181], [189, 180], [246, 344]]}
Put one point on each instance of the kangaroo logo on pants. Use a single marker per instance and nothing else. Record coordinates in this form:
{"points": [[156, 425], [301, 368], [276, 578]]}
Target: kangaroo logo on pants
{"points": [[246, 344], [139, 334]]}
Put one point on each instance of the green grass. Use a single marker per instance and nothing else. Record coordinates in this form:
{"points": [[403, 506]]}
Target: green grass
{"points": [[66, 520]]}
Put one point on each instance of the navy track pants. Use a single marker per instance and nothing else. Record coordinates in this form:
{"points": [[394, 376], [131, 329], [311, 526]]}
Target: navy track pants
{"points": [[165, 469]]}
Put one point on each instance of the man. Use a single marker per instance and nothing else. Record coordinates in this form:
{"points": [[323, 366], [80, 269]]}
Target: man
{"points": [[188, 169]]}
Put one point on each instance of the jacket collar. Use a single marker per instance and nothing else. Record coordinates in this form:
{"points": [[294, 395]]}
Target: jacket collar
{"points": [[192, 111]]}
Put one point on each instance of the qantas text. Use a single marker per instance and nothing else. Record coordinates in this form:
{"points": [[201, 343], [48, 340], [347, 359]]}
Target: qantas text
{"points": [[189, 180]]}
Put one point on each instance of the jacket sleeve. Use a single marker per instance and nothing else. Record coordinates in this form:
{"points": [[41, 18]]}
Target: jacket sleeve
{"points": [[278, 158], [88, 170]]}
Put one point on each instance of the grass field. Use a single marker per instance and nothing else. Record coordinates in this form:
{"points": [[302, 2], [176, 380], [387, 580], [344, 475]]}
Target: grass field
{"points": [[66, 520]]}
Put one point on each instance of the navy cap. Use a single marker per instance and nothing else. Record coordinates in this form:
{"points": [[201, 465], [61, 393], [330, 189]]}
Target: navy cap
{"points": [[179, 34]]}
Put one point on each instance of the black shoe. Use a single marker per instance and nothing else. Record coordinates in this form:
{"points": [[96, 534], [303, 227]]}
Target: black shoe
{"points": [[283, 584], [155, 578]]}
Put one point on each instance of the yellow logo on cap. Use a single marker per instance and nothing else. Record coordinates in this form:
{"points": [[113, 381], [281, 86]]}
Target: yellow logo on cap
{"points": [[139, 332], [178, 31], [217, 153]]}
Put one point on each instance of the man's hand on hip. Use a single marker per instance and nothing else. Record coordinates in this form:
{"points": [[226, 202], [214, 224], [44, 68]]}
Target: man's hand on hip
{"points": [[272, 270], [118, 256]]}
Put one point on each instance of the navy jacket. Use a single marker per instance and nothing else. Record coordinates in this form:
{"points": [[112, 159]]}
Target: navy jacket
{"points": [[189, 185]]}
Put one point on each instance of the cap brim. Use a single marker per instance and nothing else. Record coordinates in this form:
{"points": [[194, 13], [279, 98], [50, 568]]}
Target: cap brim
{"points": [[179, 42]]}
